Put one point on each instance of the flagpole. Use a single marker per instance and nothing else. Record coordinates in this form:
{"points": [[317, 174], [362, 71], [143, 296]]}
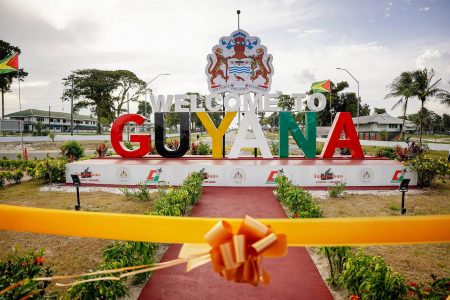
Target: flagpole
{"points": [[331, 115], [18, 79]]}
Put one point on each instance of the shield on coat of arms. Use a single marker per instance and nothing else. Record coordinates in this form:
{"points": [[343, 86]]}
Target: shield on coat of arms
{"points": [[240, 71]]}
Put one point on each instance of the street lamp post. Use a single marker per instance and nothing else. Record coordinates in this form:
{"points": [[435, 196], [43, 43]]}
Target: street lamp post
{"points": [[145, 102], [357, 125]]}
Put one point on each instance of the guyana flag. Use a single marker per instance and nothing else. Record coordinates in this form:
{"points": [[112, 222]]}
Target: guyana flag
{"points": [[9, 64], [321, 86]]}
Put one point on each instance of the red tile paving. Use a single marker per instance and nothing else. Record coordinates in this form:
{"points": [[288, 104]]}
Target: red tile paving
{"points": [[293, 277]]}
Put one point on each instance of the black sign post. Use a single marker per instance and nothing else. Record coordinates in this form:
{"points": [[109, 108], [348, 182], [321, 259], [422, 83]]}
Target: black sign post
{"points": [[404, 188], [76, 182]]}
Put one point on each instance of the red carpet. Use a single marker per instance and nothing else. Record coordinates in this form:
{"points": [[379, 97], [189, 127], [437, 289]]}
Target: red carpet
{"points": [[293, 277]]}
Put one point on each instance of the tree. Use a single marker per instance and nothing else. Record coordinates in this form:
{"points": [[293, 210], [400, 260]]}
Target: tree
{"points": [[379, 111], [349, 102], [128, 88], [144, 109], [403, 87], [424, 89], [7, 49], [445, 96], [446, 122], [92, 89]]}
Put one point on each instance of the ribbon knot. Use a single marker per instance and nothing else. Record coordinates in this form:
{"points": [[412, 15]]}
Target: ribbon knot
{"points": [[238, 256]]}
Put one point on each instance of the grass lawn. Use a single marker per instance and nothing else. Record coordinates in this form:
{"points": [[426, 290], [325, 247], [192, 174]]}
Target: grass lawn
{"points": [[414, 262], [67, 255]]}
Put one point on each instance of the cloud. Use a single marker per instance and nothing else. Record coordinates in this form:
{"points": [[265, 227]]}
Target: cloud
{"points": [[310, 32], [424, 8]]}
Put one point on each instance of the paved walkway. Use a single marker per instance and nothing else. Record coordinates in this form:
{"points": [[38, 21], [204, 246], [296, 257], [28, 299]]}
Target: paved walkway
{"points": [[293, 277]]}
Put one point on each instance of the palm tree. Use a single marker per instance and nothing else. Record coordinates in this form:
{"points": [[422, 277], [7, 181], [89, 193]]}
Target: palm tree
{"points": [[423, 89], [445, 96], [403, 87]]}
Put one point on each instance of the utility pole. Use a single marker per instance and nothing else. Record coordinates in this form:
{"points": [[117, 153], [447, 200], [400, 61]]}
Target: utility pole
{"points": [[49, 118], [71, 110], [128, 110]]}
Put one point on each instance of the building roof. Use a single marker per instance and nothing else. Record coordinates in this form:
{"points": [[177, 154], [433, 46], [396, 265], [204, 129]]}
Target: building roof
{"points": [[44, 113], [379, 119]]}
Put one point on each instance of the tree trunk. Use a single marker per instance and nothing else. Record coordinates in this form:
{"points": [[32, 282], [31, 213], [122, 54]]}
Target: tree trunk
{"points": [[99, 126], [3, 104], [402, 132], [421, 122]]}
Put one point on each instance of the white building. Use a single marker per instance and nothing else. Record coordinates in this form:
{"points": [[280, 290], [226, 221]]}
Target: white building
{"points": [[53, 121], [382, 127]]}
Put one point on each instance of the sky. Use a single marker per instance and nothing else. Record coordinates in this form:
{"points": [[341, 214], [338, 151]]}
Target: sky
{"points": [[374, 40]]}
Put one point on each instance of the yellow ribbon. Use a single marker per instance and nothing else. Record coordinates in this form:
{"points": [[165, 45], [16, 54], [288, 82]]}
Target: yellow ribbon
{"points": [[301, 232]]}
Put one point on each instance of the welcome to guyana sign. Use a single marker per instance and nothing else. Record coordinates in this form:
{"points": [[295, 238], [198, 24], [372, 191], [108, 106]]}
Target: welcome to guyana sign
{"points": [[239, 73]]}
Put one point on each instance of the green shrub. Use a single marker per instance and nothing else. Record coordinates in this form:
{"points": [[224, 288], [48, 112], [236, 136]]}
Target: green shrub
{"points": [[17, 176], [2, 179], [131, 254], [437, 289], [72, 150], [370, 277], [275, 148], [52, 136], [300, 203], [386, 152], [128, 145], [319, 147], [204, 149], [102, 290], [337, 190], [21, 267], [337, 256], [172, 202], [193, 184], [50, 170], [429, 169]]}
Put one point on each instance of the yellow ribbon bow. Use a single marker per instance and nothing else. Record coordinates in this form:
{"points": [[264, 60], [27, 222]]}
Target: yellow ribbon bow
{"points": [[238, 256]]}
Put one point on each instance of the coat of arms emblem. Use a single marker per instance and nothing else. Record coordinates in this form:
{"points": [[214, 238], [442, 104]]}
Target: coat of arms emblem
{"points": [[239, 64]]}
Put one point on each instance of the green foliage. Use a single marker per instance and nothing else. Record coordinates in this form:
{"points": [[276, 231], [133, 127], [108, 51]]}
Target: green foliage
{"points": [[172, 202], [204, 149], [72, 150], [437, 289], [18, 269], [128, 145], [52, 136], [337, 190], [384, 135], [319, 147], [275, 148], [15, 177], [193, 184], [175, 201], [200, 148], [102, 290], [370, 277], [300, 203], [142, 193], [429, 169], [337, 256], [385, 152], [49, 170], [131, 254]]}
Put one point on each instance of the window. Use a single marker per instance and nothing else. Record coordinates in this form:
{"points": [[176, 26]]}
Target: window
{"points": [[392, 125], [40, 119]]}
